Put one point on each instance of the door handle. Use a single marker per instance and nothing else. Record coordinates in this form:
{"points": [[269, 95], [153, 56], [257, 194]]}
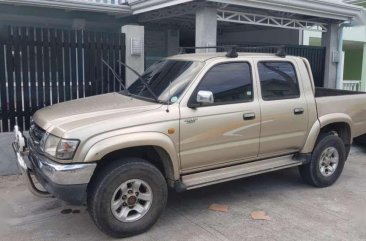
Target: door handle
{"points": [[249, 116], [299, 111]]}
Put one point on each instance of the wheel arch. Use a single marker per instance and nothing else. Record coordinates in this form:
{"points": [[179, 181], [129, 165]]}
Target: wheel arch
{"points": [[157, 148], [340, 125]]}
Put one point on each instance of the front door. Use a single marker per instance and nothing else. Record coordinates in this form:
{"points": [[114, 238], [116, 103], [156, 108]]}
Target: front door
{"points": [[284, 108], [226, 131]]}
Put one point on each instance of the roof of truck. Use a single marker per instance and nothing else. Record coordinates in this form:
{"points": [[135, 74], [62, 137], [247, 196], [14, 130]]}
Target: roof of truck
{"points": [[202, 57]]}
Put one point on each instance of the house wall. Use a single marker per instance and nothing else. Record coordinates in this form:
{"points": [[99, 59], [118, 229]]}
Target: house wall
{"points": [[353, 64], [355, 57]]}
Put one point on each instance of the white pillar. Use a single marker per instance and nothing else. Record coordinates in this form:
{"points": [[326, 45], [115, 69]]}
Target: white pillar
{"points": [[135, 51], [206, 28], [363, 76], [332, 57]]}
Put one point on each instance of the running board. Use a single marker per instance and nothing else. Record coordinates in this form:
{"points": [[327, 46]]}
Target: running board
{"points": [[206, 178]]}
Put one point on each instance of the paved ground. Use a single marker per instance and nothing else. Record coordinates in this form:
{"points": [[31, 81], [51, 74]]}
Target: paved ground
{"points": [[298, 212]]}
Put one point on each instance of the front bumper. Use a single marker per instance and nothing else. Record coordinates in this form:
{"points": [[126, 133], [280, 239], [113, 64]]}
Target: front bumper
{"points": [[67, 182]]}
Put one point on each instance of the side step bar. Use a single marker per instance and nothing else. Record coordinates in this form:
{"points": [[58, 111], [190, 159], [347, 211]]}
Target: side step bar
{"points": [[206, 178]]}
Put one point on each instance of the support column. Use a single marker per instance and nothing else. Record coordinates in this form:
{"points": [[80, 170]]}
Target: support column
{"points": [[206, 28], [363, 75], [135, 51], [332, 57]]}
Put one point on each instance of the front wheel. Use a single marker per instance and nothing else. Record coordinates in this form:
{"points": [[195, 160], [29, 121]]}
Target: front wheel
{"points": [[127, 197], [327, 162]]}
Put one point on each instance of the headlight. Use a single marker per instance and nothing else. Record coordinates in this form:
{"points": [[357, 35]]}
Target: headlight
{"points": [[66, 149], [49, 144], [59, 148]]}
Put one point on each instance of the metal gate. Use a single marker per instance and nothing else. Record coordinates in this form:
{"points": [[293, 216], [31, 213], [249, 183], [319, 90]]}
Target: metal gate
{"points": [[43, 66]]}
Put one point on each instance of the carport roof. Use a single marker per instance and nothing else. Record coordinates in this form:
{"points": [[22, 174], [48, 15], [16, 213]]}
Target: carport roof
{"points": [[326, 9]]}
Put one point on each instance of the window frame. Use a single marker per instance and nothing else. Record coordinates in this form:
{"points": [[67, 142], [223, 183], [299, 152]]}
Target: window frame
{"points": [[192, 98], [276, 98]]}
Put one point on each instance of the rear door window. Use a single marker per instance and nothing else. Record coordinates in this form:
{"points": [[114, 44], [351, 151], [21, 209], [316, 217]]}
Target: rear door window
{"points": [[278, 80]]}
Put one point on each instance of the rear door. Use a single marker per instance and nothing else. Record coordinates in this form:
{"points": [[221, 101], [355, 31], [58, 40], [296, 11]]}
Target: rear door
{"points": [[228, 130], [283, 106]]}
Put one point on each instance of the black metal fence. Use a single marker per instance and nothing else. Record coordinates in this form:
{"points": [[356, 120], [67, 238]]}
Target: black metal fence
{"points": [[316, 57], [41, 67]]}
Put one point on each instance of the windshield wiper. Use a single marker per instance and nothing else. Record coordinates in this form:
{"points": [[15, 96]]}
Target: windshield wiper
{"points": [[142, 80], [116, 76]]}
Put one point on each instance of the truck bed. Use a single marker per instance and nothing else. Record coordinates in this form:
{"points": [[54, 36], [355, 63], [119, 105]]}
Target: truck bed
{"points": [[345, 103], [324, 92]]}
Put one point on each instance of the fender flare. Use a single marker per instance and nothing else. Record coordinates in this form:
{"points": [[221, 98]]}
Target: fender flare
{"points": [[322, 122], [115, 143]]}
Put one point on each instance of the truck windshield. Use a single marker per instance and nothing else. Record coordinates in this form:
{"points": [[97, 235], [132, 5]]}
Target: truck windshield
{"points": [[167, 79]]}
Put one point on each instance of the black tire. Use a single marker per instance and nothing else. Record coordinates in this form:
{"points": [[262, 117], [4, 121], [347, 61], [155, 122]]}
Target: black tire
{"points": [[311, 173], [108, 179]]}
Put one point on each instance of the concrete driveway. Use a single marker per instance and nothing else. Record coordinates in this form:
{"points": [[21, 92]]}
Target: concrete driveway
{"points": [[297, 211]]}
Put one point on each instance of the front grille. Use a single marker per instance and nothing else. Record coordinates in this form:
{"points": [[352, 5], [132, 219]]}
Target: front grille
{"points": [[36, 133]]}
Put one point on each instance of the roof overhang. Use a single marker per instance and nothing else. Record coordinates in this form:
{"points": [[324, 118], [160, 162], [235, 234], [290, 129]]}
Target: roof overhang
{"points": [[356, 2], [143, 6], [360, 20], [72, 5]]}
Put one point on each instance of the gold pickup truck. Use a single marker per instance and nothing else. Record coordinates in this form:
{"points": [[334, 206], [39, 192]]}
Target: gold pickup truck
{"points": [[189, 121]]}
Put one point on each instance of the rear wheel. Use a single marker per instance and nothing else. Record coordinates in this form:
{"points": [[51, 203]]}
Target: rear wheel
{"points": [[127, 197], [326, 163]]}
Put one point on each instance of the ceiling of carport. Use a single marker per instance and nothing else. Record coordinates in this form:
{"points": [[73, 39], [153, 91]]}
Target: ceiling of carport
{"points": [[184, 16]]}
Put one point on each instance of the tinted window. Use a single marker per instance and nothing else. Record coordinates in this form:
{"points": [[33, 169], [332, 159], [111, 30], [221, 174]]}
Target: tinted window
{"points": [[278, 80], [167, 79], [229, 83]]}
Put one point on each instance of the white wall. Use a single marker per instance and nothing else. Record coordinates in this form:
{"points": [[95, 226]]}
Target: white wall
{"points": [[350, 34], [136, 62]]}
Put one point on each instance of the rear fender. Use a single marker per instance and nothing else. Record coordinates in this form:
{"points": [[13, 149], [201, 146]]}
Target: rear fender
{"points": [[319, 124]]}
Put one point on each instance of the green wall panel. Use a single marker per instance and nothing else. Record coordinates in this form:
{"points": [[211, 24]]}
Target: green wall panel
{"points": [[353, 64]]}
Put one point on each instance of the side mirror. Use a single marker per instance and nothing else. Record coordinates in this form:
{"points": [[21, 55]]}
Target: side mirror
{"points": [[203, 98]]}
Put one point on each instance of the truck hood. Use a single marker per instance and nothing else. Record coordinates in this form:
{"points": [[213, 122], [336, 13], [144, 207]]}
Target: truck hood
{"points": [[66, 116]]}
